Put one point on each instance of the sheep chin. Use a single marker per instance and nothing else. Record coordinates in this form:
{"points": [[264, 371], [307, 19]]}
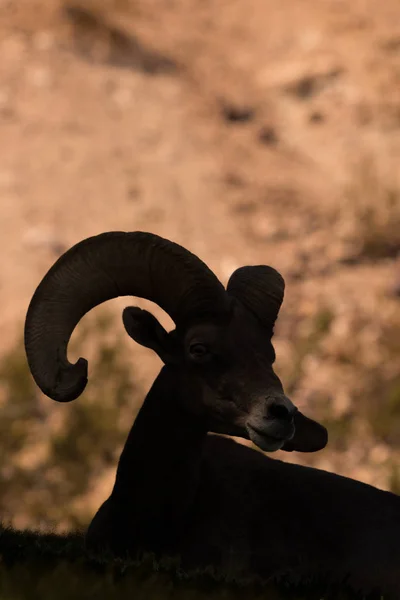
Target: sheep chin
{"points": [[264, 441]]}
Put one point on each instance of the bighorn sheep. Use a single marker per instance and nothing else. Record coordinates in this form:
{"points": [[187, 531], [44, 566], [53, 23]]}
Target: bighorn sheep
{"points": [[179, 490]]}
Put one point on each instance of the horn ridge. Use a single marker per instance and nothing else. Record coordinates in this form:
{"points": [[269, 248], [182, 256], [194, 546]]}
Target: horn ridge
{"points": [[100, 268]]}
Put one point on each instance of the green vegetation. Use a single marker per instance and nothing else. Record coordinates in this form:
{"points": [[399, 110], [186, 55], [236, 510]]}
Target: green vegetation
{"points": [[44, 567], [372, 385]]}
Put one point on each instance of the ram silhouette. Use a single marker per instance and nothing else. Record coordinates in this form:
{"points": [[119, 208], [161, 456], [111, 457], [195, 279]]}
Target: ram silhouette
{"points": [[178, 490]]}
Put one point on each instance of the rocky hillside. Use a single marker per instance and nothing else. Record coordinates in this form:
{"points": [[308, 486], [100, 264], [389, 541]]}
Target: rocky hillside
{"points": [[251, 132]]}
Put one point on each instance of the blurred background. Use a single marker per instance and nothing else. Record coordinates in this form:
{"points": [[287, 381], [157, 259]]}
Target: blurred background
{"points": [[250, 131]]}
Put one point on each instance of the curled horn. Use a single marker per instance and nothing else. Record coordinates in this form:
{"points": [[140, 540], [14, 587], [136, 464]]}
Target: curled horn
{"points": [[260, 289], [98, 269]]}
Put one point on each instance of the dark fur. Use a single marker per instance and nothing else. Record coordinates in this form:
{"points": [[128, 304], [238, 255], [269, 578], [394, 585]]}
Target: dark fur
{"points": [[210, 500]]}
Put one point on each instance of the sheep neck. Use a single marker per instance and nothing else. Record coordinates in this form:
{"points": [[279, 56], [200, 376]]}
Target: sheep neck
{"points": [[159, 468]]}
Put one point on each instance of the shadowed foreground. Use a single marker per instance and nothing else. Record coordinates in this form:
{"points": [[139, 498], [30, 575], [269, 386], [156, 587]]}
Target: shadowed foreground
{"points": [[46, 566]]}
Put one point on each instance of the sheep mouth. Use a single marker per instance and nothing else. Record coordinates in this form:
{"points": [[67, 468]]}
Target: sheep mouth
{"points": [[265, 441]]}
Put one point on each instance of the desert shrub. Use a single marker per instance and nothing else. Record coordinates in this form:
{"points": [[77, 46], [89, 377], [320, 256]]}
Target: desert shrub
{"points": [[371, 211]]}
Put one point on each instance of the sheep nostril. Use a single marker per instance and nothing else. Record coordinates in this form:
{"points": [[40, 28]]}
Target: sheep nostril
{"points": [[277, 410]]}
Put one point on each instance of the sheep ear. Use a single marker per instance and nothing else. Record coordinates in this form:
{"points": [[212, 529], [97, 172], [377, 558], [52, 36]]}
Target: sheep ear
{"points": [[309, 436], [144, 329]]}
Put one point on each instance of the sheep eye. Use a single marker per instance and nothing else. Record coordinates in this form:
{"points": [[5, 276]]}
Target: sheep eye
{"points": [[198, 350]]}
